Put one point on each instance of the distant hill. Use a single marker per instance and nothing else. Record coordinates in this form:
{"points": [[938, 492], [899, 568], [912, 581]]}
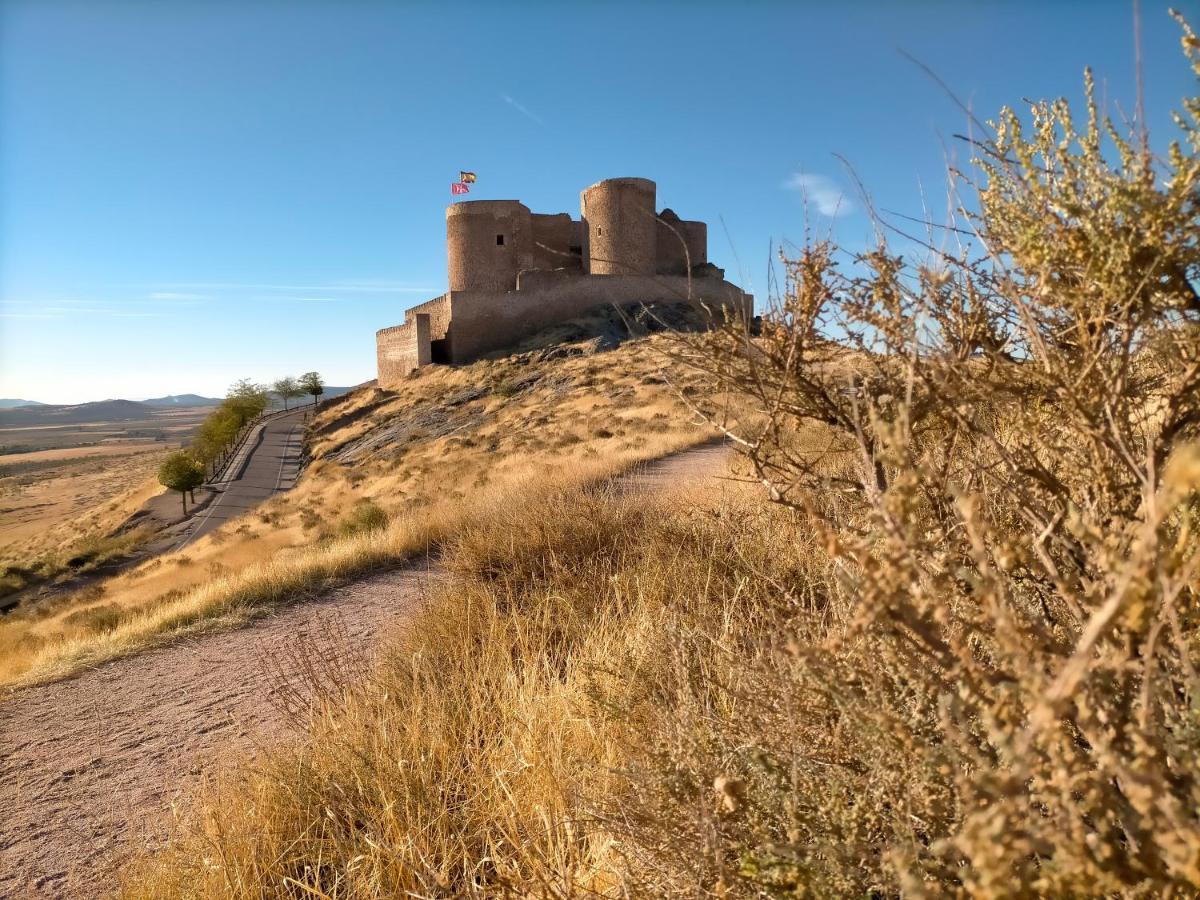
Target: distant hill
{"points": [[182, 400], [12, 404], [100, 411], [30, 412]]}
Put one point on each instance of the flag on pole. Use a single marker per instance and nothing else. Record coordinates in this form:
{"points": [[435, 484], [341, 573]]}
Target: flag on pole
{"points": [[466, 177], [459, 188]]}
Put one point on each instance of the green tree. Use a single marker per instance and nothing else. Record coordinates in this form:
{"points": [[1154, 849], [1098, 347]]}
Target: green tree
{"points": [[312, 383], [215, 434], [181, 472], [247, 400], [287, 387]]}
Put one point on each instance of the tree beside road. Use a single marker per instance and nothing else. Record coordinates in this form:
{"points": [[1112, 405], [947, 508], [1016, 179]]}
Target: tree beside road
{"points": [[182, 472], [287, 388], [217, 434], [245, 403], [312, 383], [247, 399]]}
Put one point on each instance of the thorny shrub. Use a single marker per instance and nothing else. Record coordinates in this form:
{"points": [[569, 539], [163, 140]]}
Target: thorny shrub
{"points": [[366, 515], [1000, 455]]}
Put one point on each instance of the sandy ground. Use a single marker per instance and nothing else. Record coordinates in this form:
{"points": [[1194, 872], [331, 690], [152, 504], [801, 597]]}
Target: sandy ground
{"points": [[117, 449], [32, 504], [90, 767]]}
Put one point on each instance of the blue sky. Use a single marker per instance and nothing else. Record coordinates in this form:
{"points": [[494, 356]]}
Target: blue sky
{"points": [[191, 193]]}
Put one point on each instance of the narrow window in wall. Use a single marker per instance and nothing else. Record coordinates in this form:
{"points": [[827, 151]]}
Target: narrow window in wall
{"points": [[499, 240], [599, 230]]}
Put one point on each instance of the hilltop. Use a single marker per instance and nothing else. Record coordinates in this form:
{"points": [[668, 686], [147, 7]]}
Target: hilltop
{"points": [[10, 403]]}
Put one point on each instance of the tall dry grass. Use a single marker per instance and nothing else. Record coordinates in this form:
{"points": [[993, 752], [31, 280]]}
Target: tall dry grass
{"points": [[355, 550], [481, 756]]}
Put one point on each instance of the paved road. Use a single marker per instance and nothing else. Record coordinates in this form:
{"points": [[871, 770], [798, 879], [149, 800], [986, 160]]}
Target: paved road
{"points": [[269, 462]]}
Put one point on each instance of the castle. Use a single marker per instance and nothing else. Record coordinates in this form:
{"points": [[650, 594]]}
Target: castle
{"points": [[513, 273]]}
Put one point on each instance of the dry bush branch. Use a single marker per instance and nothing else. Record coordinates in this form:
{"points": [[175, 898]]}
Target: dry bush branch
{"points": [[1000, 473]]}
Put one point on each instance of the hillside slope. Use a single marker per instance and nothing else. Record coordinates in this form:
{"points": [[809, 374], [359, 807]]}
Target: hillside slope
{"points": [[419, 458], [140, 726]]}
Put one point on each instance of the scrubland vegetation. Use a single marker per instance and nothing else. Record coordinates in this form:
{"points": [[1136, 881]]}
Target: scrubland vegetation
{"points": [[956, 655]]}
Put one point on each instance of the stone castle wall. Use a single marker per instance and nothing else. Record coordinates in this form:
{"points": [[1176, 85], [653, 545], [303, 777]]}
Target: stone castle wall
{"points": [[680, 244], [553, 237], [487, 321], [398, 351], [402, 348], [438, 310]]}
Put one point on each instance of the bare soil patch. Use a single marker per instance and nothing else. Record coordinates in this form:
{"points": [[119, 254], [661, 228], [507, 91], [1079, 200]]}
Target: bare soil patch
{"points": [[39, 504]]}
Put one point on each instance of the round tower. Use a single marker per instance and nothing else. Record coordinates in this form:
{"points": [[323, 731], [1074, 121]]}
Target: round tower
{"points": [[621, 226], [487, 243]]}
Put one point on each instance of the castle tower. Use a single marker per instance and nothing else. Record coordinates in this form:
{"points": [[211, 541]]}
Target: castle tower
{"points": [[487, 243], [681, 244], [621, 227]]}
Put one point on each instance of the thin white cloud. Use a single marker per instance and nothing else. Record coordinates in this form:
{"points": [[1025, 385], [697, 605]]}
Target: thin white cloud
{"points": [[173, 295], [347, 287], [280, 299], [60, 311], [821, 191], [522, 109], [57, 307], [374, 284]]}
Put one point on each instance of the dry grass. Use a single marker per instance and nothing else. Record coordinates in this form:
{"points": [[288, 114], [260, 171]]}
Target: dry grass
{"points": [[475, 758], [615, 697], [11, 462], [435, 454]]}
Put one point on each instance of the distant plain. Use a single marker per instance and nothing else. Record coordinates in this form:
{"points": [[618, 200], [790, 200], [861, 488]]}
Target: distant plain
{"points": [[62, 482]]}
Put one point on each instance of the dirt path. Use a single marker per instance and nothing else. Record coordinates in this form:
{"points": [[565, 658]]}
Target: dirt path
{"points": [[91, 766]]}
